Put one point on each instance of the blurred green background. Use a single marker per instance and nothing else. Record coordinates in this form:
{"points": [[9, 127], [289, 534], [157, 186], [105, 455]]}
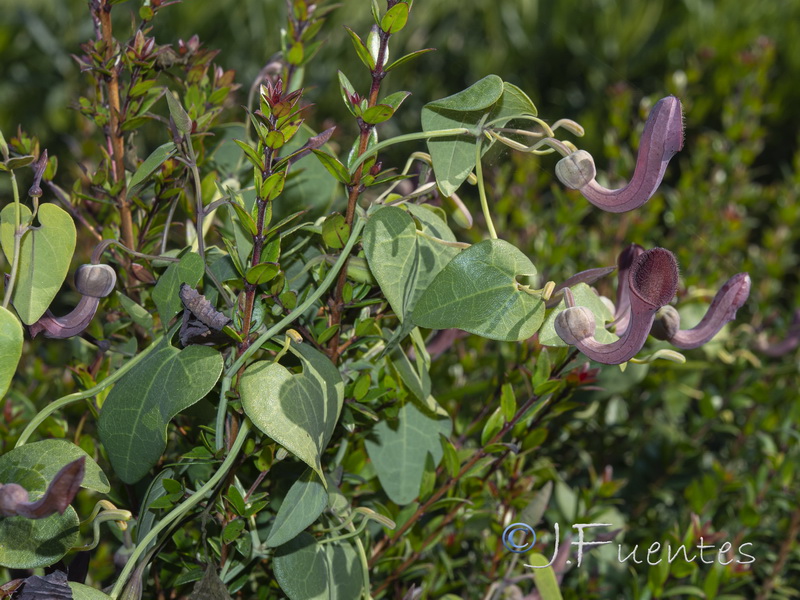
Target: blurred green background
{"points": [[716, 437]]}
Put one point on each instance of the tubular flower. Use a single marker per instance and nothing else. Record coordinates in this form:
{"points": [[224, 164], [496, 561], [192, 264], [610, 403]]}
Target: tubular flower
{"points": [[661, 139]]}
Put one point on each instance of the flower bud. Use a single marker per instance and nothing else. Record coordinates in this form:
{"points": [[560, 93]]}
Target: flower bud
{"points": [[575, 324], [667, 323], [97, 281], [576, 170]]}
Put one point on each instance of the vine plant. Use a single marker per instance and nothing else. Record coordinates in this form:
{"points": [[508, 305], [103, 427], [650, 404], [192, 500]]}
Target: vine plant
{"points": [[260, 384]]}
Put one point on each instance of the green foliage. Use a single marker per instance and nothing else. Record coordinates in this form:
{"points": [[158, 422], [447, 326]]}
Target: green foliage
{"points": [[326, 432]]}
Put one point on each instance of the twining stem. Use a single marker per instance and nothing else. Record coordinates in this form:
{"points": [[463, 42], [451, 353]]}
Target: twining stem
{"points": [[77, 396], [114, 133], [487, 215], [183, 508], [409, 137], [198, 193], [17, 242], [275, 329]]}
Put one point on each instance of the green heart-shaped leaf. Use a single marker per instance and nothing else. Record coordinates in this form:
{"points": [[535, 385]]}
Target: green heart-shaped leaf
{"points": [[299, 411], [478, 292], [403, 262], [134, 418], [400, 449], [44, 257]]}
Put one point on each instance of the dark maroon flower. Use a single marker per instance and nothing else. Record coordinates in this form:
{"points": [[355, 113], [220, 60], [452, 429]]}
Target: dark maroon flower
{"points": [[662, 138]]}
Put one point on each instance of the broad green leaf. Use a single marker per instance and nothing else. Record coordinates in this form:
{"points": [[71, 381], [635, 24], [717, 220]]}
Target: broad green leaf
{"points": [[544, 578], [306, 570], [304, 502], [84, 592], [10, 348], [403, 262], [133, 421], [584, 296], [45, 254], [399, 450], [299, 411], [46, 458], [477, 291], [157, 158], [453, 158], [165, 294], [32, 543], [513, 103], [301, 569]]}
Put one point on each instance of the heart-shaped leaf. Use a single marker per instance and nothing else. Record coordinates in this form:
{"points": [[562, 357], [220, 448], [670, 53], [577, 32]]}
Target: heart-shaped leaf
{"points": [[133, 421], [400, 449], [403, 262], [10, 348], [454, 157], [304, 502], [32, 543], [45, 254], [306, 570], [478, 292], [299, 411]]}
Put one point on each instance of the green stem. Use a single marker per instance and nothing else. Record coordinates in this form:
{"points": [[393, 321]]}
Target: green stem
{"points": [[275, 329], [409, 137], [182, 509], [482, 192], [77, 396], [17, 243], [198, 193]]}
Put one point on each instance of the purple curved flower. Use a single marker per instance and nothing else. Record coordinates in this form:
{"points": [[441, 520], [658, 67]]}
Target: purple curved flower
{"points": [[652, 282], [727, 301], [661, 139]]}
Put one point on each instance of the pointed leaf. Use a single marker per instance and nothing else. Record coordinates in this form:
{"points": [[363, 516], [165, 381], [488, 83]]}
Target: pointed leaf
{"points": [[157, 158], [348, 92], [453, 158], [408, 57], [361, 49], [44, 257], [477, 291], [399, 450], [301, 569], [299, 411], [403, 262], [179, 115], [251, 154], [334, 167], [396, 99], [304, 502], [133, 421]]}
